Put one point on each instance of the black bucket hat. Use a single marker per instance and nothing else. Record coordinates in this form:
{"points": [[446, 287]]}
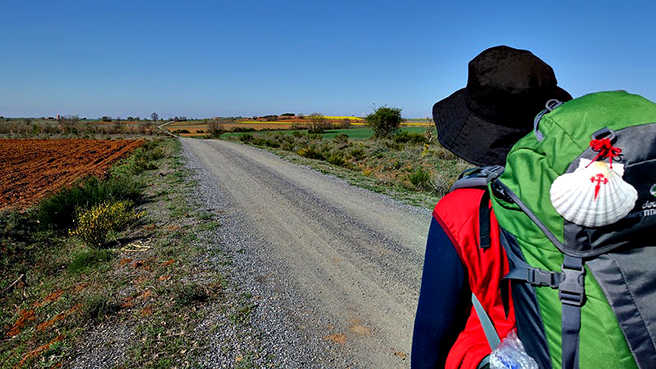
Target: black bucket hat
{"points": [[506, 89]]}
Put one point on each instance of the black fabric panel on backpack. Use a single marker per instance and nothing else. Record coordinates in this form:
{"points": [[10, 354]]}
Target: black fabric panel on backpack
{"points": [[530, 327], [628, 281], [639, 158]]}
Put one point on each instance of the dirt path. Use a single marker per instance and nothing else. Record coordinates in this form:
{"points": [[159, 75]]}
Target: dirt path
{"points": [[335, 269]]}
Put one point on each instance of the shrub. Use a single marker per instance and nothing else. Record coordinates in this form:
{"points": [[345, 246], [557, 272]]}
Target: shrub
{"points": [[442, 185], [272, 143], [215, 129], [317, 123], [357, 153], [341, 138], [145, 157], [246, 138], [310, 152], [421, 179], [337, 159], [384, 121], [57, 211], [93, 225], [410, 137], [390, 144], [431, 134]]}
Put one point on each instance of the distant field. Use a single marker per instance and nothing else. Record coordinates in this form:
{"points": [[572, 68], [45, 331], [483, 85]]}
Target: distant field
{"points": [[33, 127], [201, 128]]}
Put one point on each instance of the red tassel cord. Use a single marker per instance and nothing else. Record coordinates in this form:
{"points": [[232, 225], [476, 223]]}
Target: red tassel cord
{"points": [[605, 150]]}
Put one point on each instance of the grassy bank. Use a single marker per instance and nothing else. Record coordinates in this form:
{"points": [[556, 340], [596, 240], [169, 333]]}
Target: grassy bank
{"points": [[113, 265], [410, 165], [361, 133]]}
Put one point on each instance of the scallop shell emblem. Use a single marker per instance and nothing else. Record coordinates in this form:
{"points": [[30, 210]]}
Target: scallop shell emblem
{"points": [[594, 195]]}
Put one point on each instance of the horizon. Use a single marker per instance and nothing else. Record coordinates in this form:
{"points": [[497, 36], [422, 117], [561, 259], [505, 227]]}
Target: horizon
{"points": [[255, 58]]}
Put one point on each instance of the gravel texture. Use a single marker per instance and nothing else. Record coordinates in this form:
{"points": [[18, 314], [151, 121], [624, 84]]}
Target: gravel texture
{"points": [[334, 270]]}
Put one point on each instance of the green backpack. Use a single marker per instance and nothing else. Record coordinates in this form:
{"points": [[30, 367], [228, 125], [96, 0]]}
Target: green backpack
{"points": [[576, 204]]}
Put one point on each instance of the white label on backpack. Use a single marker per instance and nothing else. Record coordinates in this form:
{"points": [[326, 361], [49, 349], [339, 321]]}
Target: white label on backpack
{"points": [[648, 209]]}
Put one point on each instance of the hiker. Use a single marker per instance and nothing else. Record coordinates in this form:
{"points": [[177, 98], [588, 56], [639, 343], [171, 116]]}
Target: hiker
{"points": [[506, 89]]}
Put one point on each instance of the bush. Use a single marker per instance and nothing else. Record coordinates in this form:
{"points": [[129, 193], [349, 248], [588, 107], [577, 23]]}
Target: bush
{"points": [[337, 159], [317, 123], [57, 212], [310, 152], [358, 153], [145, 157], [421, 179], [93, 225], [384, 121], [215, 129], [410, 137], [246, 138], [341, 138], [272, 143]]}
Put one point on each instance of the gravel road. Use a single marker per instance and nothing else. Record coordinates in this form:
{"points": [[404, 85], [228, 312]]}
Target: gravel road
{"points": [[335, 269]]}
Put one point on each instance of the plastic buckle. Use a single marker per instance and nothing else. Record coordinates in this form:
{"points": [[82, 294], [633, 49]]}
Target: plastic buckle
{"points": [[539, 277], [492, 172], [499, 192], [553, 104], [571, 289]]}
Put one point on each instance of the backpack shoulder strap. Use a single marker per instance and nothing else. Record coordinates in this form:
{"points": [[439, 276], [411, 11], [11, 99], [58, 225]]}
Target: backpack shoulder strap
{"points": [[477, 177], [480, 177]]}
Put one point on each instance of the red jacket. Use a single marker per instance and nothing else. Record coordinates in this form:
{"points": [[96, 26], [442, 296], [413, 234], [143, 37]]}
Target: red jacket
{"points": [[448, 332]]}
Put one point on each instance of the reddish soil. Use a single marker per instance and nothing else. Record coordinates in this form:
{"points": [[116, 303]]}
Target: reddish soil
{"points": [[24, 317], [31, 169]]}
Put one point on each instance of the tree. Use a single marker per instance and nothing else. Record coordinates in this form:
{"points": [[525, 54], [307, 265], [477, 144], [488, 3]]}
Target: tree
{"points": [[154, 116], [317, 123], [384, 121], [215, 128]]}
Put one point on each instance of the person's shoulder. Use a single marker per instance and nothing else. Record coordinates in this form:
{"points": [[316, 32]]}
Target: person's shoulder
{"points": [[463, 199], [458, 209]]}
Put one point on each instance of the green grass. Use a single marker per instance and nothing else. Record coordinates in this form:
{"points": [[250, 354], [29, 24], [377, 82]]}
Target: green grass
{"points": [[85, 259]]}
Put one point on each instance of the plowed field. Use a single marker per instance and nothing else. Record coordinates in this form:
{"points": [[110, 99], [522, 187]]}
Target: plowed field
{"points": [[31, 169]]}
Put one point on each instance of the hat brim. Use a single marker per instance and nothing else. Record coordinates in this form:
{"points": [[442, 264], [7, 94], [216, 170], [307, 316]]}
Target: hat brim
{"points": [[473, 138]]}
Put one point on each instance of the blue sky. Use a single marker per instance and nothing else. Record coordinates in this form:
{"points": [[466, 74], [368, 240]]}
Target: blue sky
{"points": [[254, 57]]}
